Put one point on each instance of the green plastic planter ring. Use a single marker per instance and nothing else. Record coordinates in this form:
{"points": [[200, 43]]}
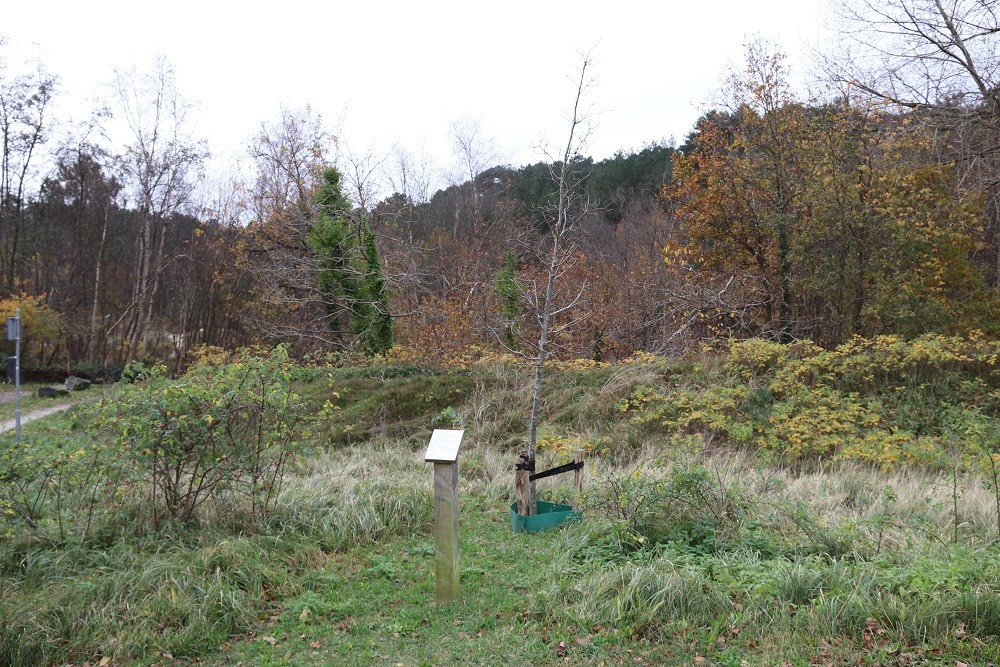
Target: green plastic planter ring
{"points": [[549, 515]]}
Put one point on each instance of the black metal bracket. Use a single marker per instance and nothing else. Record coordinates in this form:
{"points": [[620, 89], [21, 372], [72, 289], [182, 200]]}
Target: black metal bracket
{"points": [[528, 463], [558, 470]]}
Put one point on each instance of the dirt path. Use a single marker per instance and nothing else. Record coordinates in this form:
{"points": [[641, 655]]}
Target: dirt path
{"points": [[8, 424]]}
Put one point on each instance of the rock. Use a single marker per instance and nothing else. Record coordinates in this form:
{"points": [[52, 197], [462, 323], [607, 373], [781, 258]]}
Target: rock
{"points": [[74, 383], [51, 392]]}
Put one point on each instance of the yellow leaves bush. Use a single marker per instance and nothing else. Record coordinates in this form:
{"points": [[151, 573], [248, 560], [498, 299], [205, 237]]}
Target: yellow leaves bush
{"points": [[884, 401], [557, 444], [576, 364], [39, 323], [756, 357], [564, 447], [210, 355], [815, 422], [890, 450]]}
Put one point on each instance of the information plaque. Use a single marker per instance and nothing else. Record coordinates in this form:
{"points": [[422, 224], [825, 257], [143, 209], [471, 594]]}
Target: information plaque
{"points": [[444, 445]]}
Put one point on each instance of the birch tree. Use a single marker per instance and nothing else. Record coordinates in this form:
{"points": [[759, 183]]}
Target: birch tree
{"points": [[475, 152], [24, 127], [160, 167]]}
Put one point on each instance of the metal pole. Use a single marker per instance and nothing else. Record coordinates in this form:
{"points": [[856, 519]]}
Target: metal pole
{"points": [[17, 380]]}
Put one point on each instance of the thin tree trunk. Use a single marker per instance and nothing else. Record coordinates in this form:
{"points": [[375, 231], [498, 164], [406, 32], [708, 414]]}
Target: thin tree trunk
{"points": [[94, 310], [136, 331], [557, 259], [543, 351], [155, 277]]}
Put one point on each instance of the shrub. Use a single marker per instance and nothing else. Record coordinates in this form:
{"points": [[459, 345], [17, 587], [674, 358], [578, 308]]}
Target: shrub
{"points": [[158, 450], [683, 504], [886, 401], [219, 428]]}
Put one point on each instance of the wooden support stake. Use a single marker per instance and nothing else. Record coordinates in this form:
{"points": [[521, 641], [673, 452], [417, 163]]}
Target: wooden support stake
{"points": [[522, 491], [578, 479], [446, 571]]}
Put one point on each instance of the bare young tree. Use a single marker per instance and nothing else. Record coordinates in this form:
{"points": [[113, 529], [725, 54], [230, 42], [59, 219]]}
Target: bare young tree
{"points": [[557, 254], [411, 175], [363, 172]]}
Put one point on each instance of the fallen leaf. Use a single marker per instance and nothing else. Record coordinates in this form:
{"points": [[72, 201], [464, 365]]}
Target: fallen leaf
{"points": [[560, 649], [315, 644]]}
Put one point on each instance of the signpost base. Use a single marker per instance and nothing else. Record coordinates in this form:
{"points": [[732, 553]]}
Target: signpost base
{"points": [[443, 453], [446, 569]]}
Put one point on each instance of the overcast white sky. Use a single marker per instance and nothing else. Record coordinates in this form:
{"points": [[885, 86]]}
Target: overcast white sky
{"points": [[402, 72]]}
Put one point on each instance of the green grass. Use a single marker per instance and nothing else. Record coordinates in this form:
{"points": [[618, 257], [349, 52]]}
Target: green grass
{"points": [[362, 405], [185, 591], [375, 605], [343, 575], [575, 594], [689, 553]]}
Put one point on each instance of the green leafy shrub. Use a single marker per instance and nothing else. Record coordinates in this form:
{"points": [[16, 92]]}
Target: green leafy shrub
{"points": [[219, 428], [32, 476], [683, 504], [156, 450]]}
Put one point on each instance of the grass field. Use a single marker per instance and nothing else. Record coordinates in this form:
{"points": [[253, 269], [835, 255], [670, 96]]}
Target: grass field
{"points": [[688, 555], [580, 596], [30, 401]]}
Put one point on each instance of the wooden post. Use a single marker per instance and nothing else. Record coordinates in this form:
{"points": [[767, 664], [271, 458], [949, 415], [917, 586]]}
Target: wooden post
{"points": [[578, 479], [443, 453], [522, 491], [446, 572]]}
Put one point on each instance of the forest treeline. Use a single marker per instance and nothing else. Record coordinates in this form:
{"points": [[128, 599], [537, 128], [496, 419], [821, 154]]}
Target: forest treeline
{"points": [[870, 209]]}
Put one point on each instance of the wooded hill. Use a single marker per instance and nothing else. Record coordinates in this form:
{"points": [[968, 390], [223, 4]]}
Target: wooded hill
{"points": [[861, 213]]}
